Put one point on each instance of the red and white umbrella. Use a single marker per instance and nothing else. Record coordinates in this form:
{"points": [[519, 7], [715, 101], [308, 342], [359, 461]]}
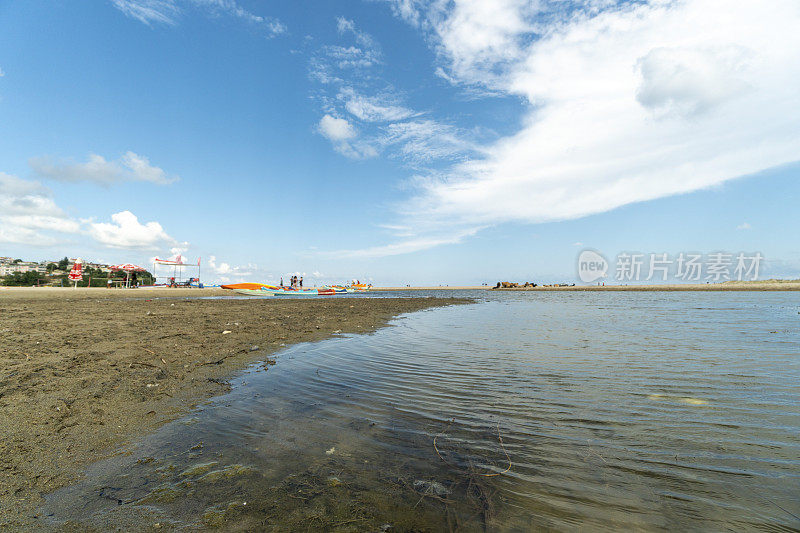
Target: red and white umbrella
{"points": [[128, 267], [76, 274]]}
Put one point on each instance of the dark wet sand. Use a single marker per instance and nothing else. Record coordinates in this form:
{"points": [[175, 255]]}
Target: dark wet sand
{"points": [[82, 372]]}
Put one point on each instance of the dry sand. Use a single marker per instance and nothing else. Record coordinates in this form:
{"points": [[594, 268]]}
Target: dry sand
{"points": [[83, 371]]}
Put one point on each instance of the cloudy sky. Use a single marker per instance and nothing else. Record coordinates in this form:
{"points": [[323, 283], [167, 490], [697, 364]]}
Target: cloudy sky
{"points": [[403, 141]]}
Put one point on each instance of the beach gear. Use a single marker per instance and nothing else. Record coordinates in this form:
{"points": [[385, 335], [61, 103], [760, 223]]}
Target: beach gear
{"points": [[260, 289]]}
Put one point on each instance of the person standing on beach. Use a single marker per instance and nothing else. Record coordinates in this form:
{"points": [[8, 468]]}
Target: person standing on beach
{"points": [[281, 281], [301, 282]]}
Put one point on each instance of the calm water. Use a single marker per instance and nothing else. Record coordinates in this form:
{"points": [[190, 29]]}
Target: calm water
{"points": [[554, 411]]}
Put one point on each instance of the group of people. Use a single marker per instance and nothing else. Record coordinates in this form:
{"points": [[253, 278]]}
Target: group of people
{"points": [[295, 282]]}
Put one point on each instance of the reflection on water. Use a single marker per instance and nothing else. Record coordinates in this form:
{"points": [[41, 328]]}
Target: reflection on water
{"points": [[548, 410]]}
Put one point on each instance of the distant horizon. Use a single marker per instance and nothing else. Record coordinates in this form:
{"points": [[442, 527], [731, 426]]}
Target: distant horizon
{"points": [[485, 284]]}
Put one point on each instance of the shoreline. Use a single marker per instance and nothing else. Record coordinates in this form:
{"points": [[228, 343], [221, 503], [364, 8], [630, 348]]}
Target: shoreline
{"points": [[84, 372], [767, 285]]}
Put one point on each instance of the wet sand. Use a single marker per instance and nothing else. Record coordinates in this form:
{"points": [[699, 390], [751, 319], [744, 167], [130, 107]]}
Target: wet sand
{"points": [[84, 371]]}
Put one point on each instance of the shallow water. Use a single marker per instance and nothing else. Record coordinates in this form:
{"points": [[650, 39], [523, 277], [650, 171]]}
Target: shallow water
{"points": [[549, 411]]}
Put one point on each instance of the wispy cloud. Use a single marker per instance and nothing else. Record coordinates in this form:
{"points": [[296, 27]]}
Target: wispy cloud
{"points": [[149, 11], [364, 39], [405, 246], [375, 108], [626, 102], [97, 169], [365, 115], [352, 56], [169, 11], [744, 226], [422, 141]]}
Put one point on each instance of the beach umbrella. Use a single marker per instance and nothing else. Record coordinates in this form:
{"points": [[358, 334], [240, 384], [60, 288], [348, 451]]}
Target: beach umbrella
{"points": [[76, 274], [128, 268]]}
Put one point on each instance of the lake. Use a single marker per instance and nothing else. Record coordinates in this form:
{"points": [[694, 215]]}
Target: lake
{"points": [[546, 411]]}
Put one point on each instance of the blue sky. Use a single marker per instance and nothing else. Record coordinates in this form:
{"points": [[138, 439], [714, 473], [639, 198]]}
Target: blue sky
{"points": [[402, 141]]}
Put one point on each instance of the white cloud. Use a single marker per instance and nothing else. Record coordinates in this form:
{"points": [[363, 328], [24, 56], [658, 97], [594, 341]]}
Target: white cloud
{"points": [[125, 231], [30, 216], [222, 268], [226, 270], [2, 73], [336, 129], [688, 81], [412, 11], [341, 133], [744, 225], [169, 11], [480, 39], [344, 25], [97, 169], [27, 209], [627, 102]]}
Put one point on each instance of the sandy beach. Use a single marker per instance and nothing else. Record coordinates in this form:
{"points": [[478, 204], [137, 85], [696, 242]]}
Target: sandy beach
{"points": [[82, 372]]}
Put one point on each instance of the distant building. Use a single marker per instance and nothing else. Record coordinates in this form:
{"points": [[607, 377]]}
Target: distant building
{"points": [[7, 269], [8, 266]]}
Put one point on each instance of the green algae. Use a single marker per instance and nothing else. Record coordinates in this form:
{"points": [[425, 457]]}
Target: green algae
{"points": [[229, 471], [199, 469]]}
